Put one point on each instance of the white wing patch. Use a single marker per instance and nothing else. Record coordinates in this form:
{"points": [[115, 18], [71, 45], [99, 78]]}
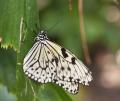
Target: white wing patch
{"points": [[49, 62]]}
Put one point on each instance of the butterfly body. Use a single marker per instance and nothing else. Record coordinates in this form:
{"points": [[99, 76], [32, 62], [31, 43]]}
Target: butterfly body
{"points": [[49, 62]]}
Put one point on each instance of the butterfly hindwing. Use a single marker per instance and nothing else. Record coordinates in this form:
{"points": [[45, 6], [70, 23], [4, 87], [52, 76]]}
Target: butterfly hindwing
{"points": [[55, 67], [71, 87], [69, 67]]}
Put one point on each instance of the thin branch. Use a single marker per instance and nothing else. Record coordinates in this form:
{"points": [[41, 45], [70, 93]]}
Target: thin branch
{"points": [[32, 89], [26, 88], [83, 33], [21, 28], [70, 6], [0, 39]]}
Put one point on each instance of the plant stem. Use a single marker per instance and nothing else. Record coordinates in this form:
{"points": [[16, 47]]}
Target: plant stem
{"points": [[83, 33]]}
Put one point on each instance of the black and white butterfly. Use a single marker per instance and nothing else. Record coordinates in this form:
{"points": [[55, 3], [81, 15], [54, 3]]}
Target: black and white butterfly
{"points": [[48, 62]]}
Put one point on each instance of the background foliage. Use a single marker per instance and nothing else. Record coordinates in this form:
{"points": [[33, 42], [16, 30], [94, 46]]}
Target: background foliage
{"points": [[18, 19]]}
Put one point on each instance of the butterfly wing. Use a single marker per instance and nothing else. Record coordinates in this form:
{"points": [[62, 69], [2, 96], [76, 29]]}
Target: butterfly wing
{"points": [[49, 62], [69, 67], [68, 70], [71, 87], [37, 65]]}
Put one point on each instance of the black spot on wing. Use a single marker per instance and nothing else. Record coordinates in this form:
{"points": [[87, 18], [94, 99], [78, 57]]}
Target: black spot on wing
{"points": [[63, 77], [70, 79], [55, 59], [48, 52], [68, 69], [73, 60], [52, 59], [62, 68], [65, 55]]}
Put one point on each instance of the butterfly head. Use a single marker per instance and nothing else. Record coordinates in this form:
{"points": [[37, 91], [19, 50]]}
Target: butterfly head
{"points": [[41, 36]]}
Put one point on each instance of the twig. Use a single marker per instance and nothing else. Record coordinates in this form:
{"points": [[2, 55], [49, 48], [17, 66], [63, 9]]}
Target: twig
{"points": [[70, 6], [26, 88], [21, 28], [82, 32], [32, 89]]}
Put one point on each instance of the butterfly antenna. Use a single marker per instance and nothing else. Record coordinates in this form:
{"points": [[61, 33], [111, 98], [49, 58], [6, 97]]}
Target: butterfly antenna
{"points": [[51, 28], [37, 27]]}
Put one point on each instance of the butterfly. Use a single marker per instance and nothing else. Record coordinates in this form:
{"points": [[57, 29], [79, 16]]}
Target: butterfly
{"points": [[48, 62]]}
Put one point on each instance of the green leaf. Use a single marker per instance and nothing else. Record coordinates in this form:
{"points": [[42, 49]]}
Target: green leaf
{"points": [[5, 95], [13, 13], [8, 68], [10, 18], [52, 92]]}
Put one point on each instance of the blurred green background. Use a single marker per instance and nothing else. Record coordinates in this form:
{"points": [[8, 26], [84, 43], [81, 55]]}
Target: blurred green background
{"points": [[18, 19]]}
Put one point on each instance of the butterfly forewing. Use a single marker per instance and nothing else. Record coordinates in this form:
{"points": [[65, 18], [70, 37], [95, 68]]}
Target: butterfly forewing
{"points": [[48, 62], [36, 64], [31, 57]]}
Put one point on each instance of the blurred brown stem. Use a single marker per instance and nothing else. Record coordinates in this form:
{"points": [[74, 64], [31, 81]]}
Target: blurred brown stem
{"points": [[70, 6], [82, 32]]}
